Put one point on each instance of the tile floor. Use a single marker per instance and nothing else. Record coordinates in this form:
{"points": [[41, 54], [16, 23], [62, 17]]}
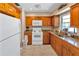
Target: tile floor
{"points": [[41, 50]]}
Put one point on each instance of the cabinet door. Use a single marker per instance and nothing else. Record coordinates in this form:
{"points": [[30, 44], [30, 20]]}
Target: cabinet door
{"points": [[65, 51], [55, 21], [74, 15], [45, 37], [29, 38], [73, 50], [58, 45], [46, 21], [52, 21], [52, 41], [28, 21]]}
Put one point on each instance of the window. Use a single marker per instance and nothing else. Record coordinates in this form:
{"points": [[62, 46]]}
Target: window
{"points": [[65, 23]]}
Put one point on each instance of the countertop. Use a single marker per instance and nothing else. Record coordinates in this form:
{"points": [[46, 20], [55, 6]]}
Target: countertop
{"points": [[72, 41]]}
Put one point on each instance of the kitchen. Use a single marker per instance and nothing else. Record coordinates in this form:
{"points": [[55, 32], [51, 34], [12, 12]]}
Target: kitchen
{"points": [[52, 27], [60, 30]]}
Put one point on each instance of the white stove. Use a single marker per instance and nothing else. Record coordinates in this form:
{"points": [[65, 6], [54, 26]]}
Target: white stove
{"points": [[37, 34]]}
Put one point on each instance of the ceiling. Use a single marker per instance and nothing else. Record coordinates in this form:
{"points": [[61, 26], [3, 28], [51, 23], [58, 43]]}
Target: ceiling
{"points": [[40, 7]]}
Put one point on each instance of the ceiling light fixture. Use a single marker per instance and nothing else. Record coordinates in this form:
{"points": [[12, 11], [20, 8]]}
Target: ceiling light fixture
{"points": [[37, 6]]}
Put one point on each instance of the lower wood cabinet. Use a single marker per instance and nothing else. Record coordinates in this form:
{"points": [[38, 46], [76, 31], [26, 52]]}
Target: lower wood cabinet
{"points": [[65, 49], [29, 34], [30, 38], [45, 37], [52, 41], [69, 50], [56, 44], [62, 47]]}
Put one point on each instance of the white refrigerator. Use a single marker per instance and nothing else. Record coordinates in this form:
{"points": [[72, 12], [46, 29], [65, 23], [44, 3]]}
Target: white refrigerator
{"points": [[10, 35]]}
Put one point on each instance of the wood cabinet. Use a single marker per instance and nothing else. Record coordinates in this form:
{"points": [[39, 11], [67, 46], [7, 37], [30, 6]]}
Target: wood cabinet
{"points": [[62, 47], [10, 9], [58, 47], [29, 38], [28, 21], [46, 21], [29, 34], [45, 37], [52, 41], [65, 49], [69, 50], [55, 21], [74, 13], [56, 44]]}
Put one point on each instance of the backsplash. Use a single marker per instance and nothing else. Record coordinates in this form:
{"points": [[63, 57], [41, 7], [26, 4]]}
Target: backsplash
{"points": [[43, 28]]}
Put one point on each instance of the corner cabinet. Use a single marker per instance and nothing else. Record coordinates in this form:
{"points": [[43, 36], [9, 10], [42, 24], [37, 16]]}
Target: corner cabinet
{"points": [[74, 13], [55, 21]]}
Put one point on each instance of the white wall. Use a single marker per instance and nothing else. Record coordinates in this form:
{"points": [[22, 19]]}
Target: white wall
{"points": [[23, 25], [38, 14]]}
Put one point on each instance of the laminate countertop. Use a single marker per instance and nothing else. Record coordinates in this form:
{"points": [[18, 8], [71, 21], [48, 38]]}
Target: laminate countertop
{"points": [[72, 41]]}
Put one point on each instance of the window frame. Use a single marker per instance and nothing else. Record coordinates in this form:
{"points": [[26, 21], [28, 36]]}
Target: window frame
{"points": [[61, 17], [61, 20]]}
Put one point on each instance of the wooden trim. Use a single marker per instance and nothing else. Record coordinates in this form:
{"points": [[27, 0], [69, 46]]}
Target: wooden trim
{"points": [[75, 5]]}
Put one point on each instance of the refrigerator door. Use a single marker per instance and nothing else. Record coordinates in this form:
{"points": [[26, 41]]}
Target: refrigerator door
{"points": [[0, 49], [11, 46], [8, 26], [10, 31]]}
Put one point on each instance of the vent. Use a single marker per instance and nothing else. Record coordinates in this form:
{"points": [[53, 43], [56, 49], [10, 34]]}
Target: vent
{"points": [[62, 6], [37, 6], [17, 4]]}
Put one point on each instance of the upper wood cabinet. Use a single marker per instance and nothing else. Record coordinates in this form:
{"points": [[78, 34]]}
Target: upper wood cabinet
{"points": [[28, 21], [46, 20], [10, 9], [55, 21], [74, 13]]}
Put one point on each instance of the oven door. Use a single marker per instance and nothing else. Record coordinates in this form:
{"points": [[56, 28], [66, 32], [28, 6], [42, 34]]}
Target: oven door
{"points": [[37, 38]]}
